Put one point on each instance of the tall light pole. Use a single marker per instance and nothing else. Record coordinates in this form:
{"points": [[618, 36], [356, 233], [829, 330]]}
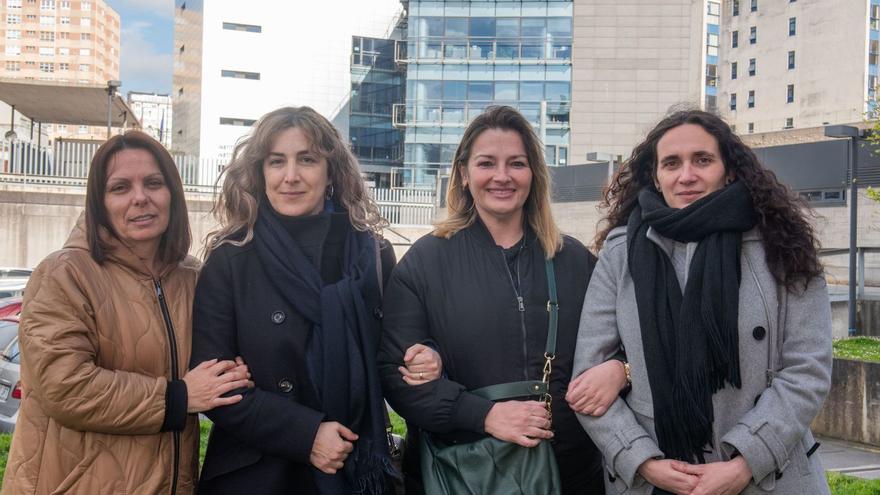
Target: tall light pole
{"points": [[853, 134], [112, 86]]}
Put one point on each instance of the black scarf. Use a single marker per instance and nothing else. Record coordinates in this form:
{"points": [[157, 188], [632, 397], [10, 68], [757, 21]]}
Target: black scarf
{"points": [[342, 348], [690, 339]]}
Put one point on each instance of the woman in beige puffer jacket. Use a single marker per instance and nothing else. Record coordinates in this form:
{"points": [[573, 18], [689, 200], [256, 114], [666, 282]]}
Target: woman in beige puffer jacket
{"points": [[107, 405]]}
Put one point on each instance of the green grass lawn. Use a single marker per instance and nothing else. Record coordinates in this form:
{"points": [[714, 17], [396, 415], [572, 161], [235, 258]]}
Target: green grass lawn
{"points": [[840, 484], [858, 348]]}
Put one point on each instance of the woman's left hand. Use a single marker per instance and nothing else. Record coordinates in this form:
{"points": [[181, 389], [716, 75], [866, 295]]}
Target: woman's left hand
{"points": [[594, 390], [421, 365], [718, 478]]}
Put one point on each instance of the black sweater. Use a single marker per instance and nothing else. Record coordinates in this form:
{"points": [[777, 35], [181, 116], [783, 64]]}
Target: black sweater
{"points": [[459, 296]]}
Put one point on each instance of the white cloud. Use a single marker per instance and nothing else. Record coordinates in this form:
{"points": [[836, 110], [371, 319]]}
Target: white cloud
{"points": [[143, 67], [161, 8]]}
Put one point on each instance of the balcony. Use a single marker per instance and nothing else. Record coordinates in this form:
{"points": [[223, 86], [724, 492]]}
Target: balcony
{"points": [[555, 114]]}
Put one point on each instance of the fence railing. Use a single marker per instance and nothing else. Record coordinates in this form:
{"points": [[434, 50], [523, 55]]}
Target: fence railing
{"points": [[66, 164]]}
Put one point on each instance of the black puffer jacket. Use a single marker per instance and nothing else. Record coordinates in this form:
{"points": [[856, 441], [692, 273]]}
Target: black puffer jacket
{"points": [[459, 296]]}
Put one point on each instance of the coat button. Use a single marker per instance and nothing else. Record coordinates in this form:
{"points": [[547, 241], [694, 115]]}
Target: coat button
{"points": [[759, 332], [278, 317], [377, 313], [285, 386]]}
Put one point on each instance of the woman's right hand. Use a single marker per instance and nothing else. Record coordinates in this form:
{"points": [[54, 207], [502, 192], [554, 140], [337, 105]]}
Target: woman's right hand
{"points": [[594, 390], [662, 474], [207, 382], [333, 443], [524, 423], [422, 364]]}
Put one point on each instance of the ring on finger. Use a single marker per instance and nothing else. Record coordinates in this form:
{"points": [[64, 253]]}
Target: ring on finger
{"points": [[421, 375]]}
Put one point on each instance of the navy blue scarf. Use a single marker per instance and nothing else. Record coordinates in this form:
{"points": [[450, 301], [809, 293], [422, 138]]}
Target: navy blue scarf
{"points": [[342, 348]]}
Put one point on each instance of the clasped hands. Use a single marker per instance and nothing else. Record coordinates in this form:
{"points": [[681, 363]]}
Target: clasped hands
{"points": [[716, 478]]}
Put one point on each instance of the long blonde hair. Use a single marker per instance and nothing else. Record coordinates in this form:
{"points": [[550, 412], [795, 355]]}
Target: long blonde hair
{"points": [[244, 185], [460, 206]]}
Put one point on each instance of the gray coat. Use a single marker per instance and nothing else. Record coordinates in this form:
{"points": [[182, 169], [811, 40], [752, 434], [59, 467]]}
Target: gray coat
{"points": [[785, 331]]}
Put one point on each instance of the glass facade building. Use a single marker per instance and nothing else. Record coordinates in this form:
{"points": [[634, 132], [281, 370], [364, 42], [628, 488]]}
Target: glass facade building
{"points": [[377, 83], [463, 56]]}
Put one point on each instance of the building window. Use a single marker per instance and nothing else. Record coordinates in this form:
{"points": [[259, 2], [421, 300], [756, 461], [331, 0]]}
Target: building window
{"points": [[13, 50], [64, 4], [753, 35], [752, 66], [83, 129], [47, 51], [239, 74], [238, 122], [13, 34], [47, 20], [84, 67], [47, 35], [182, 49], [47, 4], [752, 98], [733, 101], [64, 66], [248, 28], [47, 67], [85, 21], [733, 66], [791, 59], [85, 36], [13, 4], [85, 52], [64, 51], [13, 19], [751, 127], [792, 26], [64, 20], [789, 94], [713, 8], [735, 7], [86, 5], [734, 39], [13, 65], [789, 123], [754, 6]]}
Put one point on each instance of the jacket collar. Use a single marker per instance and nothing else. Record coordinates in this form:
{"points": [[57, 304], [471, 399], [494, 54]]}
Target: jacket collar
{"points": [[480, 233], [118, 253]]}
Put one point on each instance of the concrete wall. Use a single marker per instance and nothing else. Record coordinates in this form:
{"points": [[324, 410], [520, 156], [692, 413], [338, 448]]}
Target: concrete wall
{"points": [[631, 61], [851, 410]]}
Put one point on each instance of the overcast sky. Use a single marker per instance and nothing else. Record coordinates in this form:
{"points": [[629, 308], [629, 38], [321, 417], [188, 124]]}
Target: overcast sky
{"points": [[147, 35]]}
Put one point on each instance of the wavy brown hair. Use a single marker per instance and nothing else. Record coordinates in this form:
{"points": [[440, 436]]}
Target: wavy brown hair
{"points": [[175, 241], [460, 203], [244, 185], [788, 236]]}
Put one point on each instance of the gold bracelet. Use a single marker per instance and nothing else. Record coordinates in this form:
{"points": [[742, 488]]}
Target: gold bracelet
{"points": [[626, 371]]}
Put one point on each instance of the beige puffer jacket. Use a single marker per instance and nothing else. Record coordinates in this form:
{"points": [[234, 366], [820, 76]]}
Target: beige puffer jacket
{"points": [[95, 368]]}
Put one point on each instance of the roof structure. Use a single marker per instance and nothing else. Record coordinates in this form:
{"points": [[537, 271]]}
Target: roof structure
{"points": [[73, 105]]}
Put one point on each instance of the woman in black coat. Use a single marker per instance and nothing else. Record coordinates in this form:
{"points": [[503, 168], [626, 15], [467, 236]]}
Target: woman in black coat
{"points": [[476, 290], [292, 285]]}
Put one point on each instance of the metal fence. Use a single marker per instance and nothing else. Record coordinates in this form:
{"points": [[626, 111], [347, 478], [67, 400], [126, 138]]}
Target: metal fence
{"points": [[66, 164]]}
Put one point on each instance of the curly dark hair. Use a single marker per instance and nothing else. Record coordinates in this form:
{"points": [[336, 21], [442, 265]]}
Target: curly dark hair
{"points": [[783, 217]]}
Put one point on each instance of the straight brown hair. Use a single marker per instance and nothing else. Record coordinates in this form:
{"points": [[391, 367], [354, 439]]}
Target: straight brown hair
{"points": [[175, 241]]}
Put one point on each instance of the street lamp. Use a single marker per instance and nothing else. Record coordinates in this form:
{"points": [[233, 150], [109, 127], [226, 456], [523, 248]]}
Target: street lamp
{"points": [[853, 134], [112, 86]]}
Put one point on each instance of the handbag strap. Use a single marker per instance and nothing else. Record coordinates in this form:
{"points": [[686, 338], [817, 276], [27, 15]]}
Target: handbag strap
{"points": [[527, 388]]}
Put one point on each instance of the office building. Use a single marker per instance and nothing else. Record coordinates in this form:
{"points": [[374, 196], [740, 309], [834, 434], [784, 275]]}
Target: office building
{"points": [[153, 110]]}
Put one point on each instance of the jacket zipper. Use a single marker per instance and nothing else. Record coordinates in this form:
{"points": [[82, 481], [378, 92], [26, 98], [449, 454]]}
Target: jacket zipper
{"points": [[175, 373], [521, 306]]}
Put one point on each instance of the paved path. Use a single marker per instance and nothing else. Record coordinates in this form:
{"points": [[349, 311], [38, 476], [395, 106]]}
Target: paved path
{"points": [[849, 458]]}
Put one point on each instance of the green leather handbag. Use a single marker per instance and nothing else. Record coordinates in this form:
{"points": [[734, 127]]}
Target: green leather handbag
{"points": [[489, 465]]}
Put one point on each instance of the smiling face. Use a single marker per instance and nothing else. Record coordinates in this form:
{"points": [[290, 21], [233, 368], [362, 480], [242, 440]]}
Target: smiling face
{"points": [[689, 165], [296, 177], [498, 176], [137, 200]]}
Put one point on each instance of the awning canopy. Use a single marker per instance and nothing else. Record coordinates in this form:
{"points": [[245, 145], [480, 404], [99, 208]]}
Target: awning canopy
{"points": [[74, 105]]}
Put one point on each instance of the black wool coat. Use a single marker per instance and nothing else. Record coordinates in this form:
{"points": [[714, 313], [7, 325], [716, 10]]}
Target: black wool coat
{"points": [[458, 295], [262, 444]]}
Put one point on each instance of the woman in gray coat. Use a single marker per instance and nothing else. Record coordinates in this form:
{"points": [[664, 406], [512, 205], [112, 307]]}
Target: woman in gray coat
{"points": [[709, 279]]}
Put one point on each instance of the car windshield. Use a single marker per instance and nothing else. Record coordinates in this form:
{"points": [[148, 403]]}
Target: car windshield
{"points": [[11, 353], [8, 331]]}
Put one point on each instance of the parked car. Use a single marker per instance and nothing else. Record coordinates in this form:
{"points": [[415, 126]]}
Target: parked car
{"points": [[8, 330], [7, 272], [10, 306], [13, 286], [10, 386]]}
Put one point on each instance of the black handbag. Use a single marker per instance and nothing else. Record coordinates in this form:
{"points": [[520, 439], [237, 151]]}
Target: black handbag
{"points": [[489, 465]]}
